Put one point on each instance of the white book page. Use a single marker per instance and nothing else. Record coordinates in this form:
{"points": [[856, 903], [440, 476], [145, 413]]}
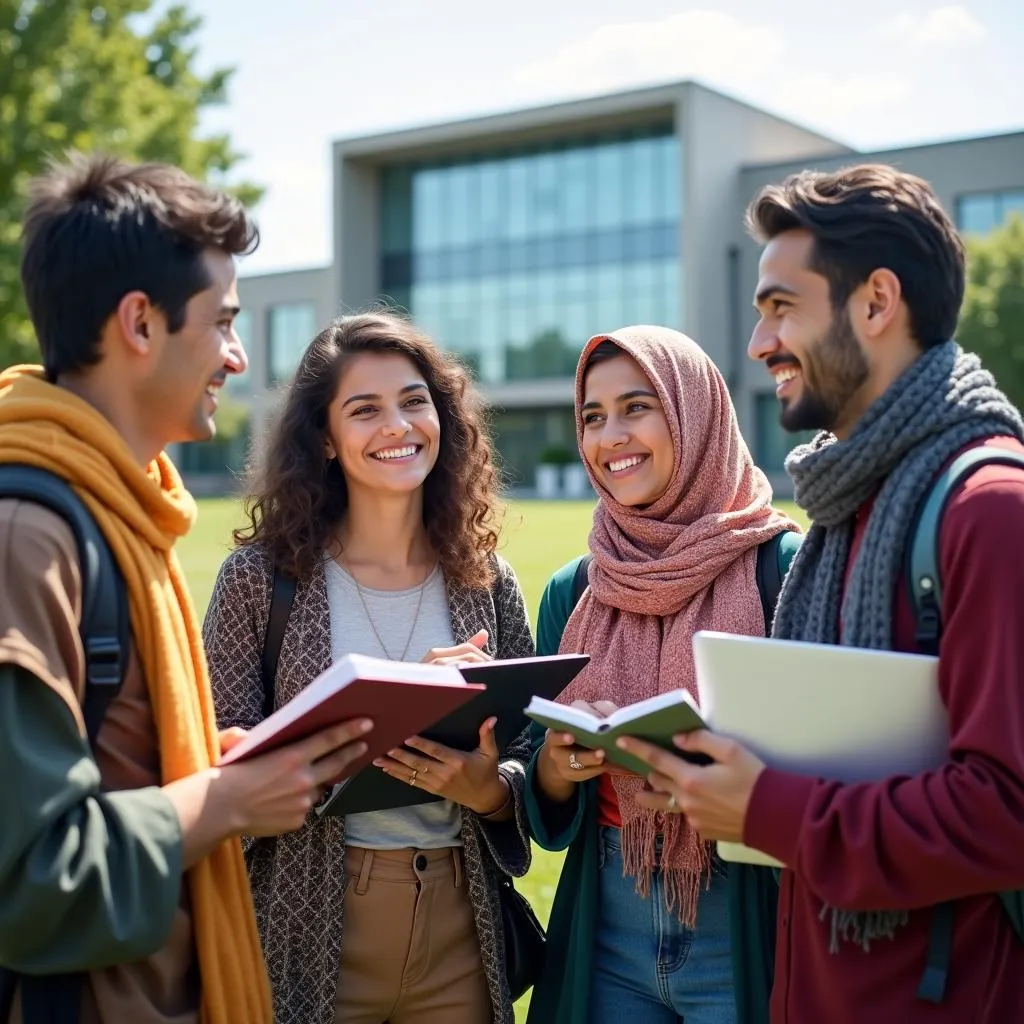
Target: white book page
{"points": [[572, 717], [659, 702]]}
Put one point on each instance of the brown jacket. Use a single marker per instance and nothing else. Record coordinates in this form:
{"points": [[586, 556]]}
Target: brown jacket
{"points": [[297, 879]]}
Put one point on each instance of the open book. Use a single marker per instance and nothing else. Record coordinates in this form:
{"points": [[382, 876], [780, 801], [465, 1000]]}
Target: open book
{"points": [[510, 684], [401, 697], [656, 720]]}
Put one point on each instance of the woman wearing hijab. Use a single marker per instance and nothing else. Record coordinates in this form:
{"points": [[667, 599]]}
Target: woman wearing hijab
{"points": [[640, 926]]}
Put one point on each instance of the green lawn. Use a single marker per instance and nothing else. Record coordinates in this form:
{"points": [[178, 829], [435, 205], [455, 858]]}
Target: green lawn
{"points": [[538, 538]]}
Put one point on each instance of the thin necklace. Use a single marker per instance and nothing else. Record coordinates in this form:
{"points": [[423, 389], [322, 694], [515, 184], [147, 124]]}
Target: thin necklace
{"points": [[369, 617]]}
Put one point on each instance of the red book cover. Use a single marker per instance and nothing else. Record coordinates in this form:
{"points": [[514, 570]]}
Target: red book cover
{"points": [[402, 698]]}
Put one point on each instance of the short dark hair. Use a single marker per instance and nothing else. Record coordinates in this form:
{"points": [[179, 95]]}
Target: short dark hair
{"points": [[97, 228], [296, 498], [867, 217]]}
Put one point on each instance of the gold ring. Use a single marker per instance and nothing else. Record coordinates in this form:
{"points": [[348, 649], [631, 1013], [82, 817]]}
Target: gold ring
{"points": [[671, 805], [412, 778], [573, 763]]}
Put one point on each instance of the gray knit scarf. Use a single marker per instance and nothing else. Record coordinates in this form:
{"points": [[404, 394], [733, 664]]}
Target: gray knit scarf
{"points": [[939, 405]]}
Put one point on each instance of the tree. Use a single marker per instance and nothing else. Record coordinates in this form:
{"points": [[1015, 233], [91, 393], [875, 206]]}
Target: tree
{"points": [[992, 321], [96, 75]]}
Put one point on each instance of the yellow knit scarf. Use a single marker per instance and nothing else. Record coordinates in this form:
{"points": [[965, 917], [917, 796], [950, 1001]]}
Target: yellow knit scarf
{"points": [[142, 512]]}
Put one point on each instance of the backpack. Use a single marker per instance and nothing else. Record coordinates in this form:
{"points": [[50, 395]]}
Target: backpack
{"points": [[105, 630], [925, 587], [773, 560]]}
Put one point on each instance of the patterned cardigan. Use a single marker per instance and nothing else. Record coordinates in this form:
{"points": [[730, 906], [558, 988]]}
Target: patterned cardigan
{"points": [[297, 879]]}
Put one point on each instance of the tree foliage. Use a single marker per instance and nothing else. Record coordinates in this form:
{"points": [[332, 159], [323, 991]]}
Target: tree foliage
{"points": [[109, 75], [992, 321]]}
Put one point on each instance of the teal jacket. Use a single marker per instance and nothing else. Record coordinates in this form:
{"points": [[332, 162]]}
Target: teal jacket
{"points": [[562, 994]]}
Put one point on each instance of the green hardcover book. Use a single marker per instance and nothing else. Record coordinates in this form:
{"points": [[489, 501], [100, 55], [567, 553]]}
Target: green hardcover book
{"points": [[656, 720]]}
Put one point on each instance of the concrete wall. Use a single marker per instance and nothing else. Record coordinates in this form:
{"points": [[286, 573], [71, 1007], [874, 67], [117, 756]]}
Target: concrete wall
{"points": [[719, 136], [258, 293]]}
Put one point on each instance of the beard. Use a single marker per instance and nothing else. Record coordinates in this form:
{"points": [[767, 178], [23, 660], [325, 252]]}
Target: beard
{"points": [[832, 371]]}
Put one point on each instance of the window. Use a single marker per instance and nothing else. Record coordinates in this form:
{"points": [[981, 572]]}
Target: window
{"points": [[517, 255], [241, 385], [982, 212], [771, 443], [290, 329]]}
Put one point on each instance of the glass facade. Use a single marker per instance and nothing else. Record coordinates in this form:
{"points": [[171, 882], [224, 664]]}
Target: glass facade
{"points": [[514, 258], [290, 329], [242, 385], [982, 212], [771, 443]]}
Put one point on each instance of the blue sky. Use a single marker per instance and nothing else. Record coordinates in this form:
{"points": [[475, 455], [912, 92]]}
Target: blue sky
{"points": [[874, 73]]}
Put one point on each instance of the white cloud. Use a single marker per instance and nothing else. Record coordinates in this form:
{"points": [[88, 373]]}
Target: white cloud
{"points": [[826, 99], [695, 43], [944, 26]]}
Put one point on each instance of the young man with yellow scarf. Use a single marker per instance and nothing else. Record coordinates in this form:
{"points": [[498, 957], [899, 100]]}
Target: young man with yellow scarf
{"points": [[123, 861]]}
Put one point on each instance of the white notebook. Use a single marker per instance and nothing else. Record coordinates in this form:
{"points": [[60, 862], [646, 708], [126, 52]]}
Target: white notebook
{"points": [[832, 712]]}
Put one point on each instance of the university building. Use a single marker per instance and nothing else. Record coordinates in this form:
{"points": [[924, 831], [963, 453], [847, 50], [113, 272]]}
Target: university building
{"points": [[513, 238]]}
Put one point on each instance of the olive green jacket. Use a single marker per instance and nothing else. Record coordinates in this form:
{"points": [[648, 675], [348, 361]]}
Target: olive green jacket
{"points": [[562, 995]]}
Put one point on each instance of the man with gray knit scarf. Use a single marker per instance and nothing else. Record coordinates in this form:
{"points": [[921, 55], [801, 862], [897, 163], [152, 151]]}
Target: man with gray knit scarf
{"points": [[861, 282]]}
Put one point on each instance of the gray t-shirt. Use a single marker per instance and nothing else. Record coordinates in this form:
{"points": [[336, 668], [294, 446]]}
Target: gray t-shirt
{"points": [[423, 826]]}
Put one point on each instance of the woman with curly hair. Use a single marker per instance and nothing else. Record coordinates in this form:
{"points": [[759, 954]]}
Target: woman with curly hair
{"points": [[375, 491]]}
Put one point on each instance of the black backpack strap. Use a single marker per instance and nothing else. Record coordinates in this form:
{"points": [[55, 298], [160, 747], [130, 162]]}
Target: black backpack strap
{"points": [[580, 582], [768, 574], [106, 635], [282, 596], [105, 625]]}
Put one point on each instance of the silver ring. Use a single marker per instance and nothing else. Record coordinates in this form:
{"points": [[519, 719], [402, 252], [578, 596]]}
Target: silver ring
{"points": [[671, 805], [412, 778], [573, 763]]}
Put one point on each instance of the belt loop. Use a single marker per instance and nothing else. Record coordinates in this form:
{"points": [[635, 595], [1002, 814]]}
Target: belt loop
{"points": [[363, 882], [457, 862]]}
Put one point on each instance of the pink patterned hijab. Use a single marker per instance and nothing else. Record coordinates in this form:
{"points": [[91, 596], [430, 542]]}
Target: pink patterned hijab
{"points": [[659, 574]]}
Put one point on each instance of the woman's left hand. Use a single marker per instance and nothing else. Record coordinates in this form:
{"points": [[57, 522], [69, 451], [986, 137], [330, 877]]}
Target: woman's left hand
{"points": [[470, 779]]}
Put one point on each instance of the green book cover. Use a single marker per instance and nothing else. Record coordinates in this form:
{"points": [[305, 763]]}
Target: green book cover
{"points": [[655, 720]]}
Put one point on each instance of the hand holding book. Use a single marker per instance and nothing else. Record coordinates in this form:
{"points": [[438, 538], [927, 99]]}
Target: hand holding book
{"points": [[714, 797], [656, 719], [469, 778]]}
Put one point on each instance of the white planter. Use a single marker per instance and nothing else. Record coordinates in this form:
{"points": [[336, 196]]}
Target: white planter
{"points": [[575, 481], [549, 482]]}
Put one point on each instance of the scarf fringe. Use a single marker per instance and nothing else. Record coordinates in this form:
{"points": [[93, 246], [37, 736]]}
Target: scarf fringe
{"points": [[861, 927], [682, 885]]}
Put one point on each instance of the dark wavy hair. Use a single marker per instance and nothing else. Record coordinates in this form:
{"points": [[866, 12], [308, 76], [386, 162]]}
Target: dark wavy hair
{"points": [[296, 498]]}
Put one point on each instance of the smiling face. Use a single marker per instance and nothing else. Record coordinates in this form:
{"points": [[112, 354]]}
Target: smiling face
{"points": [[626, 438], [178, 394], [810, 349], [383, 426]]}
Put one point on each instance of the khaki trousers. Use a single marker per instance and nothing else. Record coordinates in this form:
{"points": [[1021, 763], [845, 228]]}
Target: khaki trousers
{"points": [[409, 948]]}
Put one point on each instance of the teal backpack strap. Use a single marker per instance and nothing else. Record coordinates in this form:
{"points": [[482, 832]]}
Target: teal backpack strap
{"points": [[924, 585]]}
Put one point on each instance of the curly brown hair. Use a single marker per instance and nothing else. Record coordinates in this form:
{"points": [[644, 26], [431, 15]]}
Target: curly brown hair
{"points": [[296, 499]]}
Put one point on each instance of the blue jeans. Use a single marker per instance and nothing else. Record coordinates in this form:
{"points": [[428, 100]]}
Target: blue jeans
{"points": [[650, 968]]}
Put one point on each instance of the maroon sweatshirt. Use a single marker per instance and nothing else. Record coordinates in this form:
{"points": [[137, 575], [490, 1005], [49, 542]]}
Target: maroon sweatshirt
{"points": [[911, 842]]}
